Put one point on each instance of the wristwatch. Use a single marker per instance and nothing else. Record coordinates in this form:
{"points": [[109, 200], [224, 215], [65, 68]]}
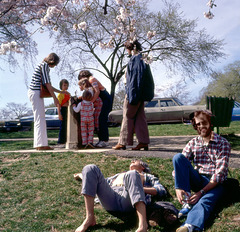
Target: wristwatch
{"points": [[202, 192]]}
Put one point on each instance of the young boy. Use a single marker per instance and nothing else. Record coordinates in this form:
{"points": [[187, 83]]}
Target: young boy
{"points": [[63, 99]]}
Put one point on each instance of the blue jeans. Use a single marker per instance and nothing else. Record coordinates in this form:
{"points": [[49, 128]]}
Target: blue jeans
{"points": [[187, 178]]}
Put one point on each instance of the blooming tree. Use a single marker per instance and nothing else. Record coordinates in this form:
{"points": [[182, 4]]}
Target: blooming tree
{"points": [[91, 37]]}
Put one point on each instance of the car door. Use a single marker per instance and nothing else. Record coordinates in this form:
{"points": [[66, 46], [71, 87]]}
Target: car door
{"points": [[170, 111], [152, 111]]}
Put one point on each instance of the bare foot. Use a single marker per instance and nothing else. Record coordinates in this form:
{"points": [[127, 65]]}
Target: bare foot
{"points": [[142, 228], [78, 176], [86, 223]]}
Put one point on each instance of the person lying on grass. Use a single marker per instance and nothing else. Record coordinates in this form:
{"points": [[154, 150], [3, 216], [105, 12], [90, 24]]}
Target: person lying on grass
{"points": [[123, 192]]}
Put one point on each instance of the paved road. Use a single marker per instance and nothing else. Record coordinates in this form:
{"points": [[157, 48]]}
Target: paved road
{"points": [[160, 146]]}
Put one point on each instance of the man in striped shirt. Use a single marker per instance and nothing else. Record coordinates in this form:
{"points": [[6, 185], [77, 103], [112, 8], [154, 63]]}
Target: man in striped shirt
{"points": [[209, 153]]}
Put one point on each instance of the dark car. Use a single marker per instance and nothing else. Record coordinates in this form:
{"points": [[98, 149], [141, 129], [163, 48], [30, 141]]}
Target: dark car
{"points": [[52, 120], [161, 110], [236, 111], [10, 126]]}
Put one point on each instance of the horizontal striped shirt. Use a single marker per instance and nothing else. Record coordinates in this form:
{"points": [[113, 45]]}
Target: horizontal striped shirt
{"points": [[209, 159], [41, 70]]}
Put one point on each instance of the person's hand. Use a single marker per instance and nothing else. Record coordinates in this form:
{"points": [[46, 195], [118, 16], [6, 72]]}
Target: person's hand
{"points": [[73, 105], [60, 117], [180, 193], [194, 198]]}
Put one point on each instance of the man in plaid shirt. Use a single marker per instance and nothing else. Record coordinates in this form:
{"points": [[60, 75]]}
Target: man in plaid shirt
{"points": [[209, 153]]}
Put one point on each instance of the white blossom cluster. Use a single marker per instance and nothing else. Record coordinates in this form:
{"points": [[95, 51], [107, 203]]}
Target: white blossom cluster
{"points": [[51, 12], [82, 26], [151, 34], [148, 59], [121, 23], [110, 43], [11, 46], [209, 14]]}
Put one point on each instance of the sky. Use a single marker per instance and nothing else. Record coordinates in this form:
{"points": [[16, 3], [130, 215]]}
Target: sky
{"points": [[225, 25]]}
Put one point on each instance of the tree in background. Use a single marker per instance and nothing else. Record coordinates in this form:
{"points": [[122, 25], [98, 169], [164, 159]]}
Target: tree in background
{"points": [[14, 111], [92, 37], [225, 83], [93, 40]]}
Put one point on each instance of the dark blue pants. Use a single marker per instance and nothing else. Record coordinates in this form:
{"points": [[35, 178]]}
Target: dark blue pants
{"points": [[103, 134], [62, 137]]}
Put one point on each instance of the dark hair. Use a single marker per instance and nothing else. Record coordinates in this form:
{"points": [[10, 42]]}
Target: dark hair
{"points": [[87, 95], [144, 165], [207, 113], [52, 59], [63, 81], [85, 82], [83, 74], [135, 45]]}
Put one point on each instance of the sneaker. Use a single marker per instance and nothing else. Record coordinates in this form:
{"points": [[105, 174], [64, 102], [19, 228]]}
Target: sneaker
{"points": [[185, 228], [102, 144], [185, 210]]}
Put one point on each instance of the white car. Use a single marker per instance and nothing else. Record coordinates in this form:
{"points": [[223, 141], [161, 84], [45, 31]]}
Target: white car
{"points": [[161, 110]]}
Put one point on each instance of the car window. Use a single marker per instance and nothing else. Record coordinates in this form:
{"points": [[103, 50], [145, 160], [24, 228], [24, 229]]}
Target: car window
{"points": [[50, 112], [166, 103], [171, 103], [152, 104]]}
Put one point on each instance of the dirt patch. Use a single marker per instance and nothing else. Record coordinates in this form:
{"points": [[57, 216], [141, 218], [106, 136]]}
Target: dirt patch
{"points": [[15, 159]]}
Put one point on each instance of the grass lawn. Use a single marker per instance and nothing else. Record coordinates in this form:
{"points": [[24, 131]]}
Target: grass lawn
{"points": [[38, 193], [154, 130]]}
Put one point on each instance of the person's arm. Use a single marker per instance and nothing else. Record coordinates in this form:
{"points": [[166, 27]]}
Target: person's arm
{"points": [[196, 196], [50, 89], [59, 112], [77, 108], [153, 186], [95, 86]]}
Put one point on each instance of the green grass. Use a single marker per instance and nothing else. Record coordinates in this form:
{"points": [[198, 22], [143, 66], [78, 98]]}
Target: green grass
{"points": [[154, 130], [38, 192]]}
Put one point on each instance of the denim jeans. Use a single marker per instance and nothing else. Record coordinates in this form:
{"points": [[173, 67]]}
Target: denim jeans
{"points": [[187, 178]]}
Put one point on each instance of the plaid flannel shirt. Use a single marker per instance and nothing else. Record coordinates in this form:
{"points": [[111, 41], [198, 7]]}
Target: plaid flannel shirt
{"points": [[211, 159]]}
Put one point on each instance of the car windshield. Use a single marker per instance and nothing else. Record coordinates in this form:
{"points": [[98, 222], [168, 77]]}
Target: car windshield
{"points": [[236, 104], [178, 102], [50, 112]]}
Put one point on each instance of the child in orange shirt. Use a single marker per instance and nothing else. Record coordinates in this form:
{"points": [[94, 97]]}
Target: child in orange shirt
{"points": [[63, 99]]}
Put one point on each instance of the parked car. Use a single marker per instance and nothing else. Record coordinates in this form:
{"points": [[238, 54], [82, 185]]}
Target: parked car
{"points": [[161, 110], [52, 120], [236, 111], [10, 126]]}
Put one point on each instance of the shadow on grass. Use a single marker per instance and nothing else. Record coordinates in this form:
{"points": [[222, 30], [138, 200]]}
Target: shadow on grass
{"points": [[234, 140]]}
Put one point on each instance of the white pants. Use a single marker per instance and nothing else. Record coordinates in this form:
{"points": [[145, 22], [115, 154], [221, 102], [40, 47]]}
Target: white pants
{"points": [[40, 128]]}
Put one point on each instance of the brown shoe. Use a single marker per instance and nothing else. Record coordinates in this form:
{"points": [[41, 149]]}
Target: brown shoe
{"points": [[119, 147], [140, 146], [44, 148]]}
